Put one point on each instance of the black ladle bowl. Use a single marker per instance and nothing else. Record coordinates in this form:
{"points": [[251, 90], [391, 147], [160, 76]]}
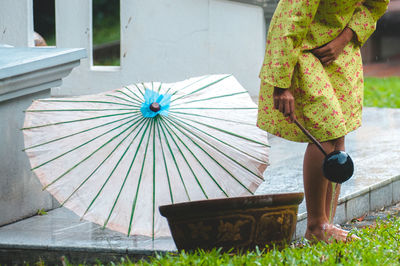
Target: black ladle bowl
{"points": [[338, 166]]}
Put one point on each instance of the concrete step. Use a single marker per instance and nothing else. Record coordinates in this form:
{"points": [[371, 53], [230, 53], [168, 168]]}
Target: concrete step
{"points": [[375, 149]]}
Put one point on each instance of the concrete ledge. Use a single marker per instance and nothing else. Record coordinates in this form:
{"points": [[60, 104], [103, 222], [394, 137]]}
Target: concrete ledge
{"points": [[26, 74], [21, 60], [62, 233], [34, 81]]}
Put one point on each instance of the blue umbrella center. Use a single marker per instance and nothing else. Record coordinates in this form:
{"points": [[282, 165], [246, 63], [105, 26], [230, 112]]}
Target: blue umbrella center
{"points": [[155, 104]]}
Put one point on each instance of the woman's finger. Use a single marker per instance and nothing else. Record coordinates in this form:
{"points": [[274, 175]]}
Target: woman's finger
{"points": [[316, 52], [323, 51], [287, 108], [329, 62], [326, 59], [292, 106], [291, 114], [276, 104], [281, 106], [292, 117]]}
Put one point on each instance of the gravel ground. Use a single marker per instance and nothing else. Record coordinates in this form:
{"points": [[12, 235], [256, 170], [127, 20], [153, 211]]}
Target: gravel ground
{"points": [[371, 218]]}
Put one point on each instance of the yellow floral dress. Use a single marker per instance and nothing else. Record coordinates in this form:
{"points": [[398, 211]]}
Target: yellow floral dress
{"points": [[328, 99]]}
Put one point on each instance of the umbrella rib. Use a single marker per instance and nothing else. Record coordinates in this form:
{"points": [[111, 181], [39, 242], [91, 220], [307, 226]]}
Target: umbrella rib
{"points": [[145, 88], [167, 91], [154, 173], [202, 88], [134, 100], [213, 160], [105, 183], [174, 159], [181, 141], [187, 86], [228, 132], [79, 146], [212, 98], [211, 117], [108, 156], [140, 179], [82, 110], [139, 89], [212, 146], [138, 97], [215, 108], [80, 132], [184, 157], [78, 120], [129, 170], [159, 88], [90, 155], [72, 101], [165, 162], [126, 100], [208, 134]]}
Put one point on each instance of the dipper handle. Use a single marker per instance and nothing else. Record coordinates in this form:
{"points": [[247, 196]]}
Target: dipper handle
{"points": [[308, 134]]}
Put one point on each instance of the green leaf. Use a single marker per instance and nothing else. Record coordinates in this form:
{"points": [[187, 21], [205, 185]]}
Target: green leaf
{"points": [[41, 212]]}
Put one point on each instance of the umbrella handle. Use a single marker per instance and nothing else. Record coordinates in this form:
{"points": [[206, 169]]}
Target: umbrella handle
{"points": [[308, 134]]}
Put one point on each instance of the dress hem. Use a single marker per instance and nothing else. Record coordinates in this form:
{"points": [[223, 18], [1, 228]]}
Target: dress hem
{"points": [[304, 138]]}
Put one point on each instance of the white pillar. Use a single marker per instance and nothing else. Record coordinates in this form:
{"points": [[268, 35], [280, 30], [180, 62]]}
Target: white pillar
{"points": [[74, 26], [237, 37], [16, 22]]}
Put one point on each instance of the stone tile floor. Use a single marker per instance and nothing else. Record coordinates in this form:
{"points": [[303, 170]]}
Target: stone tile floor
{"points": [[375, 149]]}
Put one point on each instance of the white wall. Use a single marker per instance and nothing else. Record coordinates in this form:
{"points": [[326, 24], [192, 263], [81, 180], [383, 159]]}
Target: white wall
{"points": [[167, 41], [16, 22], [161, 40]]}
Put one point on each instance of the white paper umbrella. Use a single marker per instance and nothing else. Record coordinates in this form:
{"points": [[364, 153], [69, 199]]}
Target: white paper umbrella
{"points": [[114, 157]]}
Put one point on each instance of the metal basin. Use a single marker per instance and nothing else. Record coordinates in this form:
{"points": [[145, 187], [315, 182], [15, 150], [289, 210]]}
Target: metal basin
{"points": [[240, 223]]}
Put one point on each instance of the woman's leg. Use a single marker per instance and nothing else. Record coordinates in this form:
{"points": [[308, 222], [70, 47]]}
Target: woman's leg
{"points": [[339, 146], [328, 207], [315, 188]]}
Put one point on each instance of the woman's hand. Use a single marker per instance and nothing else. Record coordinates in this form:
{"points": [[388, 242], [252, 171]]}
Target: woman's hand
{"points": [[331, 51], [284, 102]]}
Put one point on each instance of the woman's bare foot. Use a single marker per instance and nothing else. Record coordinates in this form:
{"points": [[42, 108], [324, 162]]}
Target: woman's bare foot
{"points": [[329, 233]]}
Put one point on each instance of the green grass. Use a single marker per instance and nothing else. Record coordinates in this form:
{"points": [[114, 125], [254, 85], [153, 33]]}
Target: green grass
{"points": [[50, 40], [380, 245], [111, 61], [106, 31], [382, 92]]}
